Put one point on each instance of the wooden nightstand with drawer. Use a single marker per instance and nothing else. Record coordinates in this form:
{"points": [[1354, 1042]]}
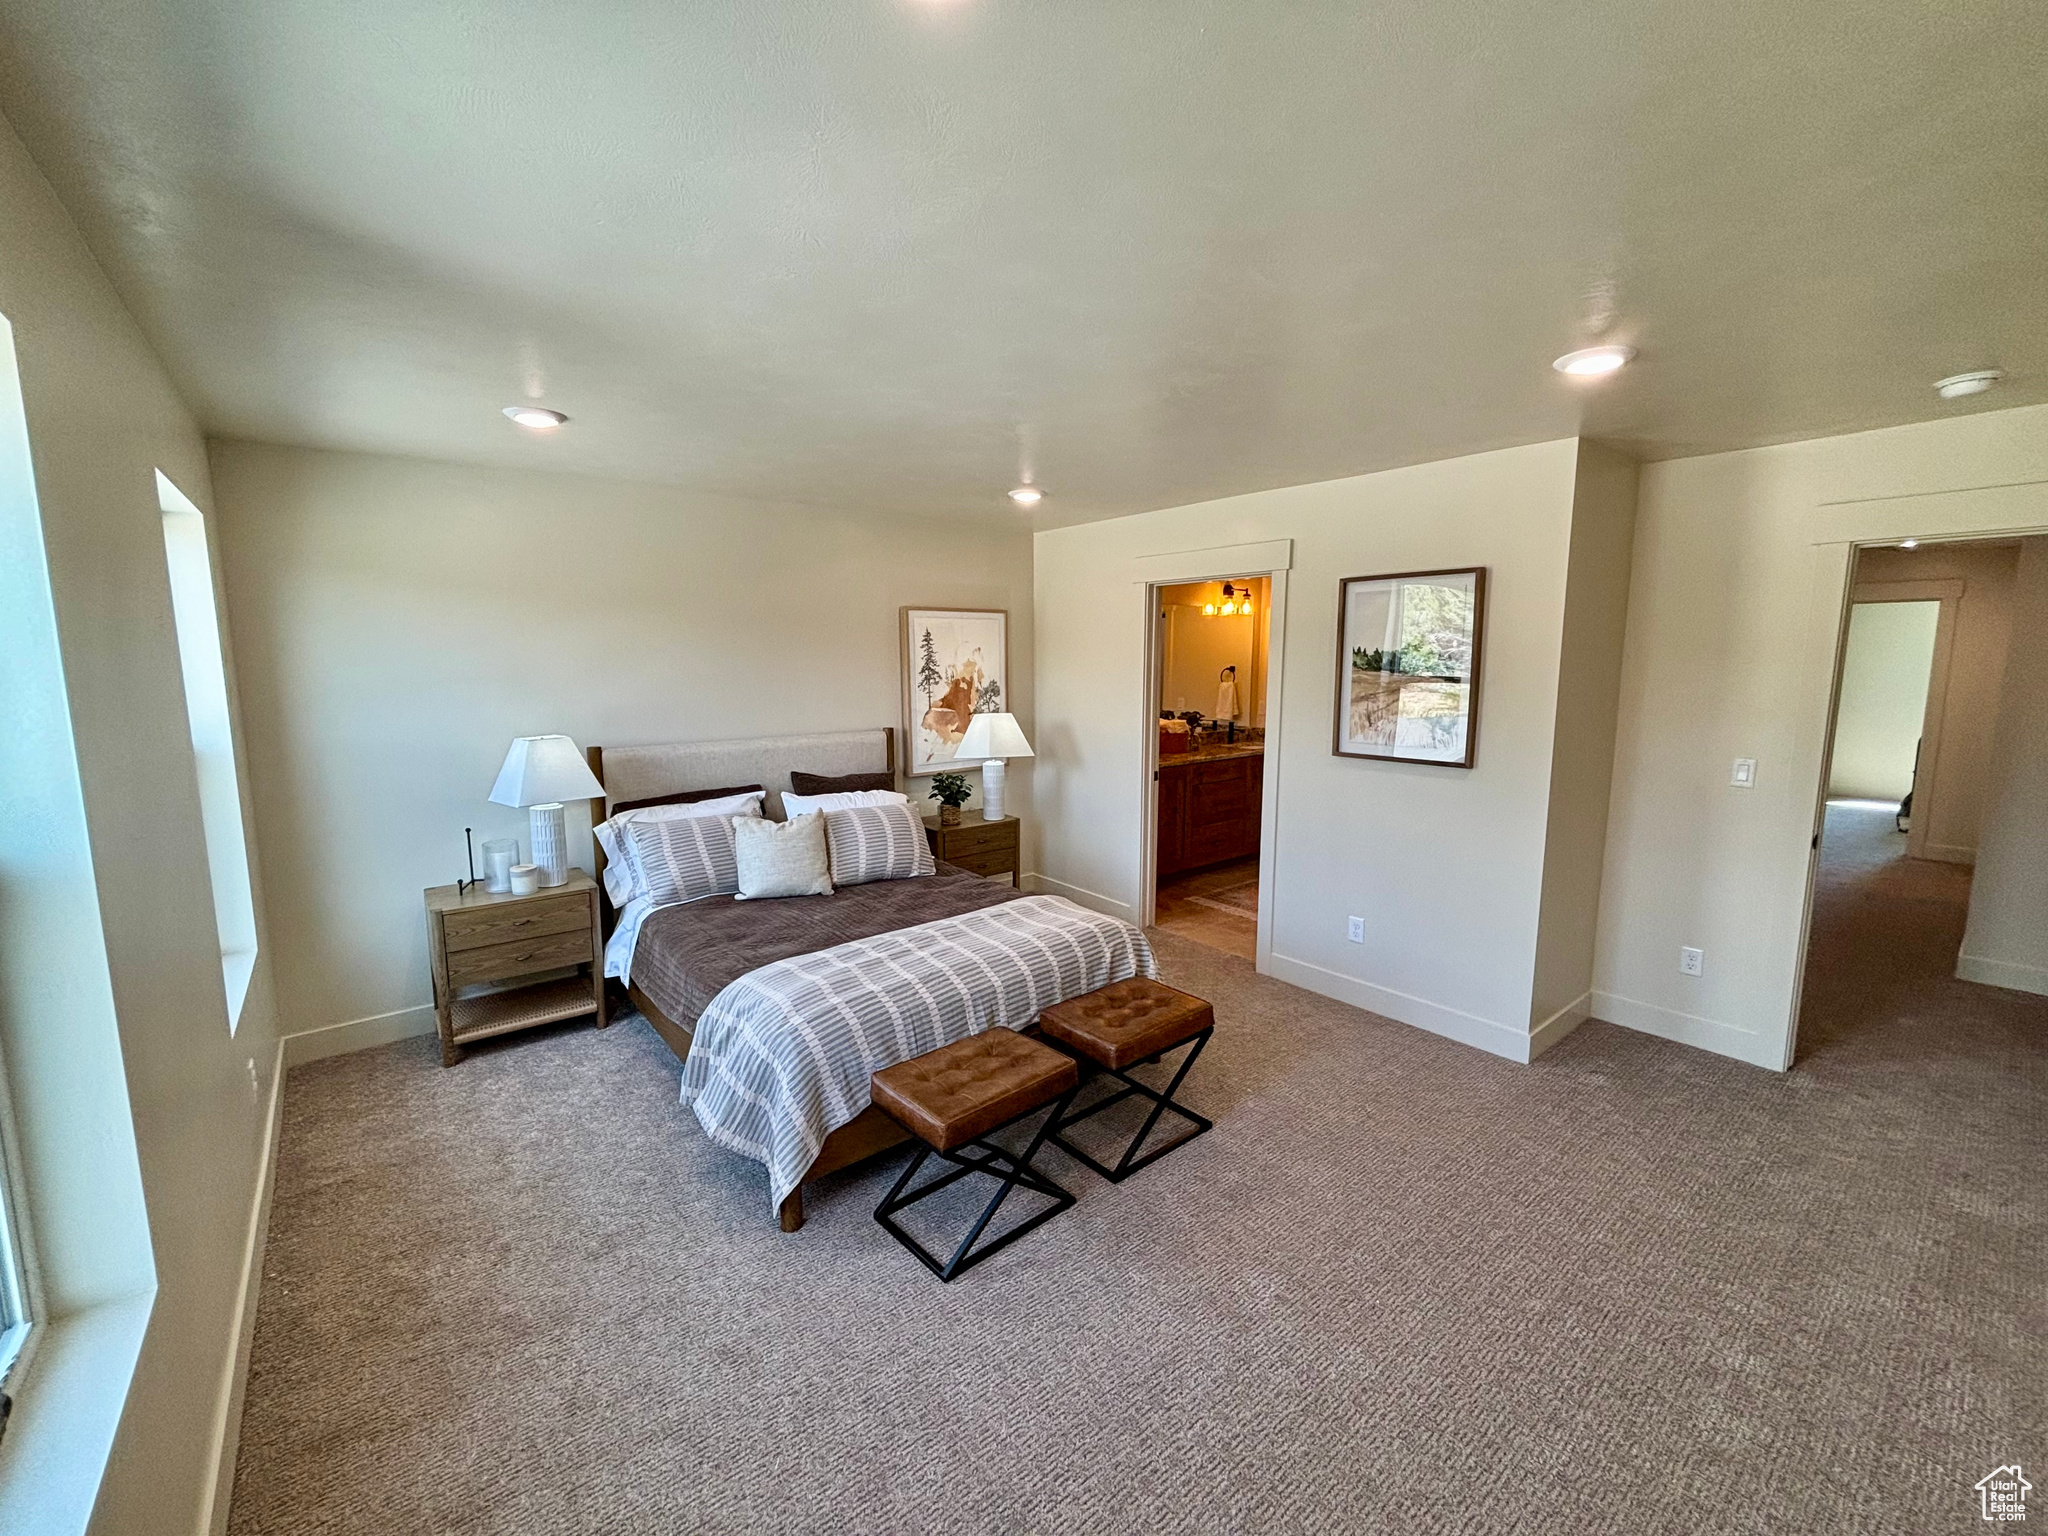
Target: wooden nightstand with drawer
{"points": [[977, 844], [477, 943]]}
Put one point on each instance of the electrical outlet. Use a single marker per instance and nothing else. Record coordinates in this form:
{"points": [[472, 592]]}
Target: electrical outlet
{"points": [[1692, 962], [1743, 774], [1355, 930]]}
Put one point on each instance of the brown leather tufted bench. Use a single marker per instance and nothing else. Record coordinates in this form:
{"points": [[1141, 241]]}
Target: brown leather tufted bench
{"points": [[952, 1099], [1116, 1027]]}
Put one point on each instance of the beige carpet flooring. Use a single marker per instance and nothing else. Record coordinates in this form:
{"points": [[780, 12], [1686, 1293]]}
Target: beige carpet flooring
{"points": [[1403, 1286], [1886, 931]]}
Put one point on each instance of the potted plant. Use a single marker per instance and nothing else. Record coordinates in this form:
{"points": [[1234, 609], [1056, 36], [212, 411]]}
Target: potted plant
{"points": [[951, 791]]}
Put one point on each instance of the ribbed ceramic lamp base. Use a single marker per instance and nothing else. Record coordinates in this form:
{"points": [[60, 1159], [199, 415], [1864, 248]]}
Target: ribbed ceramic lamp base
{"points": [[550, 842], [992, 775]]}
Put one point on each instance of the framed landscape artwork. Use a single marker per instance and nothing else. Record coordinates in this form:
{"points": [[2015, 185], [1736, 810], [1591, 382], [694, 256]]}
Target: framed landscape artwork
{"points": [[1408, 666], [955, 666]]}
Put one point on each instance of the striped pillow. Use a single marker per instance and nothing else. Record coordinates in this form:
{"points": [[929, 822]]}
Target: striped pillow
{"points": [[684, 859], [877, 842]]}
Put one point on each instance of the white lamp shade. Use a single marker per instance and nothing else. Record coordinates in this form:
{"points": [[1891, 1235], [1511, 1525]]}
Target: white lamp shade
{"points": [[996, 735], [544, 770]]}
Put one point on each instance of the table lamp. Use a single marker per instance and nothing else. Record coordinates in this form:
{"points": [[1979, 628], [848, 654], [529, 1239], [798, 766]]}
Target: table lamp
{"points": [[541, 772], [994, 737]]}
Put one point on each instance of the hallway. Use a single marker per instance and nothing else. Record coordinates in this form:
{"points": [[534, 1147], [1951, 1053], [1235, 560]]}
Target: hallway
{"points": [[1880, 968]]}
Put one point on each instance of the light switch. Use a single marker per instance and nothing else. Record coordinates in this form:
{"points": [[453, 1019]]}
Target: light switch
{"points": [[1743, 775]]}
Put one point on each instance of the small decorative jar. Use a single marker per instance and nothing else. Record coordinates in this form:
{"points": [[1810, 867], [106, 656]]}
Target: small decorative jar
{"points": [[500, 854]]}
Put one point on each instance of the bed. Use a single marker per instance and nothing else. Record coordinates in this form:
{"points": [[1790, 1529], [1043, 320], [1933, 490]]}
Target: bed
{"points": [[772, 970]]}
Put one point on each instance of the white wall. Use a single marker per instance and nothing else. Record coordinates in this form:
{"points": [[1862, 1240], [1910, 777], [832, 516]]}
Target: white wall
{"points": [[144, 1126], [2006, 942], [1955, 764], [1445, 865], [1885, 663], [1740, 573], [401, 620]]}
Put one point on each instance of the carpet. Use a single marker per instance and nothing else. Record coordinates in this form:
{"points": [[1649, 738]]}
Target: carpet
{"points": [[1403, 1286]]}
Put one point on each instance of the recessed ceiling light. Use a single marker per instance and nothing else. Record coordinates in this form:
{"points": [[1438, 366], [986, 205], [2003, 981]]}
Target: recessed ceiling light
{"points": [[1027, 495], [536, 418], [1909, 543], [1593, 362], [1957, 385]]}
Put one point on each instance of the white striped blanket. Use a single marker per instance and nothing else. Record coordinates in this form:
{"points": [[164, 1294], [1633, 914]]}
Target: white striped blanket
{"points": [[781, 1058]]}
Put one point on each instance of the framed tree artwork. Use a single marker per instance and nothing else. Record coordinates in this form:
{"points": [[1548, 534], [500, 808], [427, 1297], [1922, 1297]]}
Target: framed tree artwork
{"points": [[1408, 655], [955, 666]]}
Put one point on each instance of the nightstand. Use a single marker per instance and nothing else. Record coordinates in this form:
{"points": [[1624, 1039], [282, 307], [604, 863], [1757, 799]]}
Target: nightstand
{"points": [[477, 941], [982, 846]]}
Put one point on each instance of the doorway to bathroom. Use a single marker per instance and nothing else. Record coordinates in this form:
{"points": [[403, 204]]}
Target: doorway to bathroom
{"points": [[1212, 650]]}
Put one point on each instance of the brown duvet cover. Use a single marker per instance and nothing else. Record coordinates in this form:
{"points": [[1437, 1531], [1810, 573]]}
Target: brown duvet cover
{"points": [[686, 955]]}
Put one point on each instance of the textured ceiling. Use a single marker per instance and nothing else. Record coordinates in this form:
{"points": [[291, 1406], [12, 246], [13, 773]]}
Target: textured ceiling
{"points": [[891, 255]]}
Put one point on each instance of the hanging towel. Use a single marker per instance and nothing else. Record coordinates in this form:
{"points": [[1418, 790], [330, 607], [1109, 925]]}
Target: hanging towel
{"points": [[1226, 698]]}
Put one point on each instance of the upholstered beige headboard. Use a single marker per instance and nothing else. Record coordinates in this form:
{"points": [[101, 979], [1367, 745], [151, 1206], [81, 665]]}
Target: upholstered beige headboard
{"points": [[676, 767]]}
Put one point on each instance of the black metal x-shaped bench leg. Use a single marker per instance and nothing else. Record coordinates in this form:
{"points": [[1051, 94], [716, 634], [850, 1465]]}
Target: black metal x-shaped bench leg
{"points": [[1131, 1161], [1011, 1169]]}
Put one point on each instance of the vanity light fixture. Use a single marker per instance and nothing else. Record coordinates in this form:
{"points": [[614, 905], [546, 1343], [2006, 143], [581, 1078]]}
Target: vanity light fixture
{"points": [[1236, 601], [1909, 543], [1593, 362], [536, 418], [1958, 385], [1027, 495]]}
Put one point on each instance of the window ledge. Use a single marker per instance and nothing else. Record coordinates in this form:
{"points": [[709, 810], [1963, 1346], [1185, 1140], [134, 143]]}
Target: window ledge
{"points": [[65, 1414]]}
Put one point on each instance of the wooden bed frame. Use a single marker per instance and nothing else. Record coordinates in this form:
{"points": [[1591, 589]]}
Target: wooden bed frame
{"points": [[868, 1133]]}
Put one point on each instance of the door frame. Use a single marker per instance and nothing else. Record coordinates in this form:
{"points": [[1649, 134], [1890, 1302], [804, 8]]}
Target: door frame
{"points": [[1947, 591], [1273, 559], [1837, 532]]}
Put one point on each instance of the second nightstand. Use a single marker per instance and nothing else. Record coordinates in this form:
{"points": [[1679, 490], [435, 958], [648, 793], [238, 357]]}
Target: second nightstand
{"points": [[475, 938], [978, 845]]}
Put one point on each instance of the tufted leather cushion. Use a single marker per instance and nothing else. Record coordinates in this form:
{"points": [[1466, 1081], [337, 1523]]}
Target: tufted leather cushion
{"points": [[1127, 1021], [966, 1089]]}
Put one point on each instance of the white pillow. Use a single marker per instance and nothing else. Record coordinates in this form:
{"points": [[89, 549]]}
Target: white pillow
{"points": [[684, 858], [803, 805], [622, 881], [781, 858], [877, 842]]}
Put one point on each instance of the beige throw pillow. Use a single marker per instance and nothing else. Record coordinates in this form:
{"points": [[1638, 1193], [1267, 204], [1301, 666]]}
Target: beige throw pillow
{"points": [[781, 858]]}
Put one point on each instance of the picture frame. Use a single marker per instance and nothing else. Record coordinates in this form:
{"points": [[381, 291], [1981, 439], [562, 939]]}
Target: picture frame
{"points": [[955, 666], [1410, 649]]}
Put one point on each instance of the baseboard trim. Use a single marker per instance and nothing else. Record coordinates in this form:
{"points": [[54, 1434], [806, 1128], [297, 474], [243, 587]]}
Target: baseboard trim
{"points": [[1047, 886], [1560, 1024], [227, 1425], [1453, 1024], [356, 1035], [2002, 973], [1950, 853], [1690, 1029]]}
